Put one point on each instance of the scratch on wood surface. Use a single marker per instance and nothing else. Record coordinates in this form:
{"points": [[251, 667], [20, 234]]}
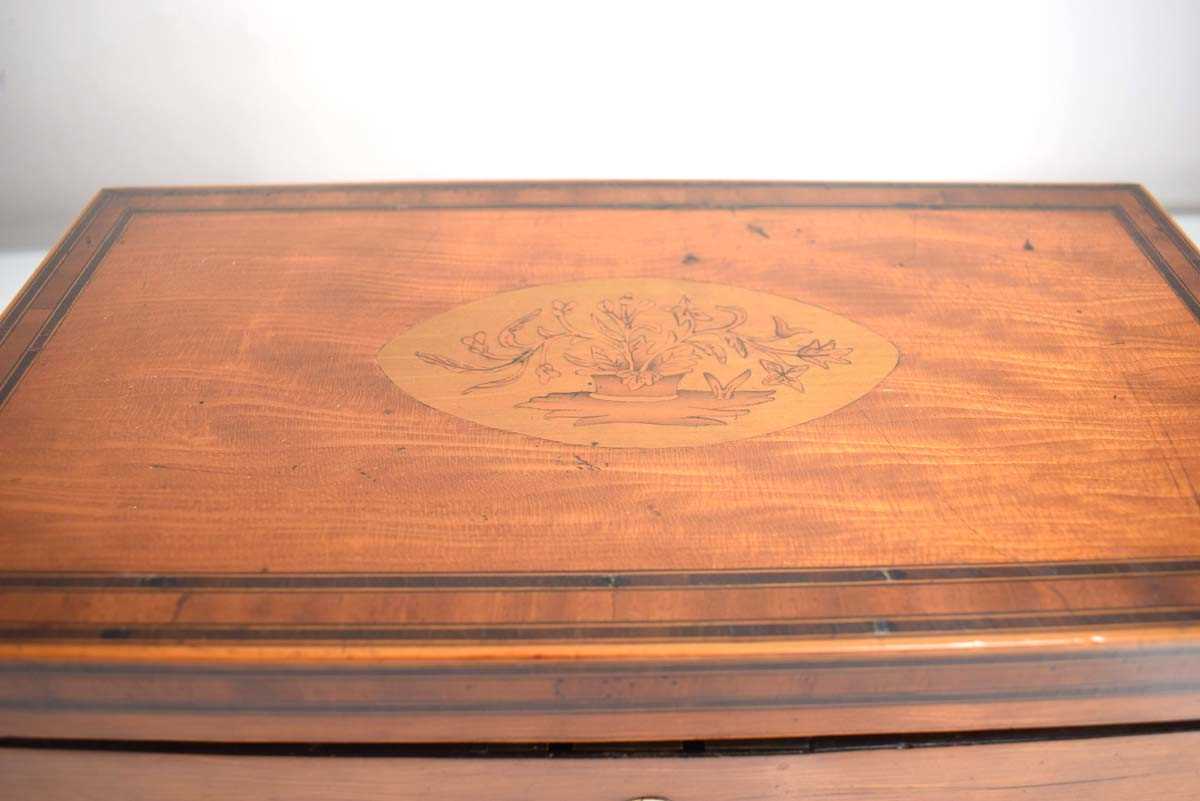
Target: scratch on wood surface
{"points": [[186, 468], [1100, 780], [180, 603], [583, 464], [1049, 585]]}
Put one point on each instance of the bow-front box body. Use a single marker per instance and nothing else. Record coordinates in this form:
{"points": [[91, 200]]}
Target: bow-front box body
{"points": [[456, 491]]}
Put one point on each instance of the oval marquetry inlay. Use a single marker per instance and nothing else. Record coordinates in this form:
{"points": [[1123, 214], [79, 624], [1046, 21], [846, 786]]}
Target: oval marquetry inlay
{"points": [[637, 362]]}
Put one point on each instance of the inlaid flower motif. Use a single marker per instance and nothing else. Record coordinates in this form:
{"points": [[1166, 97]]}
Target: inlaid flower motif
{"points": [[625, 311], [476, 343], [737, 343], [630, 345], [823, 354], [546, 373], [686, 312], [786, 374]]}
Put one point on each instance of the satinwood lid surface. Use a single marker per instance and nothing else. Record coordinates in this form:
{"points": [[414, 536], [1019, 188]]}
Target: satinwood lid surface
{"points": [[536, 462]]}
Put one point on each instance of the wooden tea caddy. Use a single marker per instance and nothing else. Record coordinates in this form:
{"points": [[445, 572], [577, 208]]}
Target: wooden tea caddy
{"points": [[470, 490]]}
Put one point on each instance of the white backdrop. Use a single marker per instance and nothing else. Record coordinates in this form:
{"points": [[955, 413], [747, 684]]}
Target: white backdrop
{"points": [[125, 92]]}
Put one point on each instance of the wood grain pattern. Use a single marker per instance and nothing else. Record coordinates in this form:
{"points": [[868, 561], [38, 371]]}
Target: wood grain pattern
{"points": [[208, 473], [1140, 768]]}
